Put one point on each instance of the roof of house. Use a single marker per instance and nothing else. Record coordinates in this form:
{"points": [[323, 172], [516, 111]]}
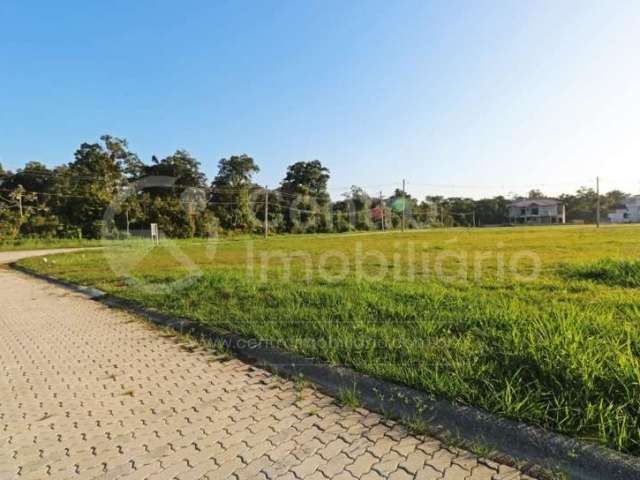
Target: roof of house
{"points": [[537, 202]]}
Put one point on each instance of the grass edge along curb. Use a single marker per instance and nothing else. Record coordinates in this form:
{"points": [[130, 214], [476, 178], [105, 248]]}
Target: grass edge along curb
{"points": [[552, 451]]}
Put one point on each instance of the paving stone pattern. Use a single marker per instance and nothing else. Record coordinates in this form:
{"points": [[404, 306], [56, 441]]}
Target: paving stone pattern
{"points": [[87, 392]]}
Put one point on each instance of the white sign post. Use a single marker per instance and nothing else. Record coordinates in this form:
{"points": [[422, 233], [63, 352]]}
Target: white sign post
{"points": [[155, 238]]}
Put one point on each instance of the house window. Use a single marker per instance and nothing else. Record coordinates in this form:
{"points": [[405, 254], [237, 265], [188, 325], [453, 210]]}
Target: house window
{"points": [[534, 211], [625, 215], [523, 211]]}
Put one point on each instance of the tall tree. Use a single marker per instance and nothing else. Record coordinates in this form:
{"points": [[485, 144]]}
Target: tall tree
{"points": [[535, 194], [89, 183], [177, 204], [34, 177], [34, 184], [357, 207], [230, 192], [304, 189], [492, 211], [9, 219], [613, 199], [275, 211], [401, 201], [462, 211], [181, 166], [582, 205]]}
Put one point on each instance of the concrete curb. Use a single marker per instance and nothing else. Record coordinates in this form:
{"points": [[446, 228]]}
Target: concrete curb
{"points": [[549, 450]]}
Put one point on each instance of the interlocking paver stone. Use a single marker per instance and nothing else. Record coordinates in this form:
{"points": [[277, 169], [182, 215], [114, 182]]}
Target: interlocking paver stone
{"points": [[336, 465], [362, 464], [415, 461], [89, 392]]}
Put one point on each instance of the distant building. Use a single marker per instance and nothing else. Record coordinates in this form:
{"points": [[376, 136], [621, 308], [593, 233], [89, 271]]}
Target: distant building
{"points": [[539, 211], [628, 212]]}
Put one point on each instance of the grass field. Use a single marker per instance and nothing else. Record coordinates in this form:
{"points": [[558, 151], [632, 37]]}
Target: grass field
{"points": [[537, 324], [39, 244]]}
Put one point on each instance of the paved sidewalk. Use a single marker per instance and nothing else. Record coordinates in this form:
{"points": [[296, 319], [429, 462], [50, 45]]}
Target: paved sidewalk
{"points": [[87, 392]]}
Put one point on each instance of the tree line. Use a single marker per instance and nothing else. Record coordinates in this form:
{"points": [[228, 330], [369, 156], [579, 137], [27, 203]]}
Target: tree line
{"points": [[108, 190]]}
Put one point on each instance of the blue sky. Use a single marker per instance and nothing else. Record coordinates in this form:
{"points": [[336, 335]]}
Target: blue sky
{"points": [[472, 98]]}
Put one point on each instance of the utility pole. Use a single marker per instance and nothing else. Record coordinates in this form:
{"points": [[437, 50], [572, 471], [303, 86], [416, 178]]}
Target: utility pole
{"points": [[127, 215], [382, 210], [17, 195], [474, 219], [598, 202], [266, 211], [404, 203], [19, 198]]}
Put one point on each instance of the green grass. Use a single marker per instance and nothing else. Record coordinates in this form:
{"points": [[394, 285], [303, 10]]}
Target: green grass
{"points": [[553, 349], [349, 397], [42, 243], [624, 273]]}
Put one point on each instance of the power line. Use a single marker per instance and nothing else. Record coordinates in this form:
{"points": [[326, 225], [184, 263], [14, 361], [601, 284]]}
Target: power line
{"points": [[46, 193], [341, 190], [503, 185]]}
